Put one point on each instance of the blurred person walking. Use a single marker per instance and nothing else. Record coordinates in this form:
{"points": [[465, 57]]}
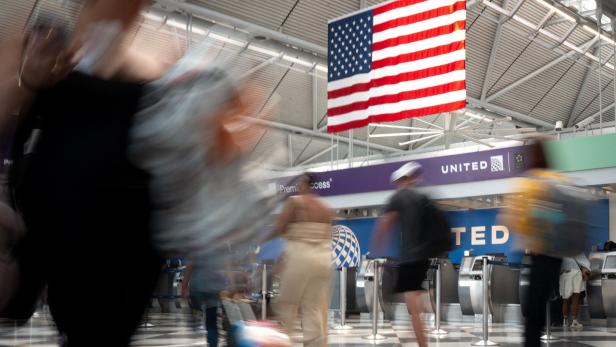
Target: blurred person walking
{"points": [[424, 234], [574, 273], [305, 223], [551, 223], [80, 196], [85, 206], [202, 286]]}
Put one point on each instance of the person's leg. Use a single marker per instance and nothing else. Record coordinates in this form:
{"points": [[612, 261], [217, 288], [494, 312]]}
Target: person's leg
{"points": [[293, 281], [211, 324], [544, 275], [565, 311], [575, 306], [314, 311], [413, 305]]}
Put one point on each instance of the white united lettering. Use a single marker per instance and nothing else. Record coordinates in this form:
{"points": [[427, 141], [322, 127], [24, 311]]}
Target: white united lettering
{"points": [[464, 167], [496, 240], [499, 235]]}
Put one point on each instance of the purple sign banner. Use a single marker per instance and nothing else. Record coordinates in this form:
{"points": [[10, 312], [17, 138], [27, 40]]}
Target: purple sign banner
{"points": [[451, 169]]}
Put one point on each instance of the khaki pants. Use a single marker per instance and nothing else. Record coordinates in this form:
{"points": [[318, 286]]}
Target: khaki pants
{"points": [[305, 285]]}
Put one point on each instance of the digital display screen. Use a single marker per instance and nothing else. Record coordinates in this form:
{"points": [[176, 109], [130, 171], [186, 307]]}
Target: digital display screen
{"points": [[478, 266], [610, 262]]}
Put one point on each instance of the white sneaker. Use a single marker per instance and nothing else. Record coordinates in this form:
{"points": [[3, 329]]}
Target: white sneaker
{"points": [[576, 325], [565, 324]]}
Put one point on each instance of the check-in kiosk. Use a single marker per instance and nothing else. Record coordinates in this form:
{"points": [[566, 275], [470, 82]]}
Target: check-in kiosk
{"points": [[503, 292], [608, 287], [594, 286], [360, 286], [469, 285], [449, 288]]}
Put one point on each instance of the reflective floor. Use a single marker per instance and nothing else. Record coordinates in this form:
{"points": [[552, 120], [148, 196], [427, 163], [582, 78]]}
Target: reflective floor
{"points": [[178, 330]]}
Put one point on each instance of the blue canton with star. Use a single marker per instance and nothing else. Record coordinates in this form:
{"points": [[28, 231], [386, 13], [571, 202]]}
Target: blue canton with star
{"points": [[350, 46]]}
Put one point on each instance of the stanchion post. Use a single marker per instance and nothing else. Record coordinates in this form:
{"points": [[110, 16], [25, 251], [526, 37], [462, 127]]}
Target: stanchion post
{"points": [[343, 288], [375, 305], [548, 324], [485, 341], [437, 310], [264, 293]]}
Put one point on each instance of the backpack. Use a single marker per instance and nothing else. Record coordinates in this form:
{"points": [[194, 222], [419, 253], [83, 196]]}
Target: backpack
{"points": [[435, 227]]}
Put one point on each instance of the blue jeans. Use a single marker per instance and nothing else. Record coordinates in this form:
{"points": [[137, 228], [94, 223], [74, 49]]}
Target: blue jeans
{"points": [[208, 304]]}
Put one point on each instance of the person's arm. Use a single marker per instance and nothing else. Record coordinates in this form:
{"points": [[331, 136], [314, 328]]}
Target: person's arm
{"points": [[186, 281], [48, 61], [285, 217], [12, 96], [383, 226]]}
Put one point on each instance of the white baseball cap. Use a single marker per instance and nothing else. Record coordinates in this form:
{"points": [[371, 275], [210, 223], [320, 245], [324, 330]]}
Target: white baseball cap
{"points": [[409, 169]]}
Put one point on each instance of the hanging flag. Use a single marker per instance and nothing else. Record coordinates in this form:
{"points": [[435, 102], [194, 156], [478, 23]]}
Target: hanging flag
{"points": [[400, 59]]}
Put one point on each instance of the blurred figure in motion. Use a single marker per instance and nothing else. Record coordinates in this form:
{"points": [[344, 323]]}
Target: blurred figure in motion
{"points": [[305, 223], [551, 223], [405, 209], [202, 286], [574, 273], [81, 199], [80, 90]]}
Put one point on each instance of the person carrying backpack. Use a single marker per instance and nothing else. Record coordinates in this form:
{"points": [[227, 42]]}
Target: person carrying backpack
{"points": [[549, 217], [424, 234]]}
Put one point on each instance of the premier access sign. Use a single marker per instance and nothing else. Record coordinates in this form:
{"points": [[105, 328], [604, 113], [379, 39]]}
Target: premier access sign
{"points": [[452, 169]]}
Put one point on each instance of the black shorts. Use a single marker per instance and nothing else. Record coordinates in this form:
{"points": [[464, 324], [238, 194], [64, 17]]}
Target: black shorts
{"points": [[411, 276]]}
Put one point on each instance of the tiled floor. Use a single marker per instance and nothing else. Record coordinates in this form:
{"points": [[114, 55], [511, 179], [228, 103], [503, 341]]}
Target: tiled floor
{"points": [[178, 330]]}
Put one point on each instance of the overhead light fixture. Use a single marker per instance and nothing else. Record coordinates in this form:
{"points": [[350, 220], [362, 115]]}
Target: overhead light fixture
{"points": [[228, 40], [419, 133], [297, 61], [391, 126], [263, 50], [479, 117], [417, 140]]}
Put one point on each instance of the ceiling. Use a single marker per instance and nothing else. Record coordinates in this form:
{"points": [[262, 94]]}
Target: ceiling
{"points": [[516, 66]]}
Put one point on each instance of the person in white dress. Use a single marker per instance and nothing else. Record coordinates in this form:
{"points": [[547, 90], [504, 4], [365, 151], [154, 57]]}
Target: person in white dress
{"points": [[573, 275]]}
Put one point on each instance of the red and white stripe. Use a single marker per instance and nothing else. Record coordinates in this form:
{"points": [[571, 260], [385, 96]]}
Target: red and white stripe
{"points": [[418, 66]]}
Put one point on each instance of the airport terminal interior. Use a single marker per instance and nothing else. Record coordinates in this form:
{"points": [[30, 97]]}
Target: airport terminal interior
{"points": [[451, 95]]}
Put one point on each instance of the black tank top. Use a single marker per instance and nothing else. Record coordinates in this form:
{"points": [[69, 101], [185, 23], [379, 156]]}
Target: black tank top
{"points": [[81, 198]]}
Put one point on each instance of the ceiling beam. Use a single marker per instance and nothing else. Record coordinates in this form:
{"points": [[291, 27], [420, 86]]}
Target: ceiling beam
{"points": [[244, 25], [537, 28], [578, 99], [539, 71], [492, 60], [316, 134], [318, 155], [506, 112]]}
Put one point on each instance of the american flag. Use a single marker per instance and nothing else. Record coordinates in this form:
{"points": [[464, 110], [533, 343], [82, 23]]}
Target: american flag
{"points": [[400, 59]]}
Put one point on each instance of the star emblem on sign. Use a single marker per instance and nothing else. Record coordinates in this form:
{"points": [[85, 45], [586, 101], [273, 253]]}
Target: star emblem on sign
{"points": [[519, 160]]}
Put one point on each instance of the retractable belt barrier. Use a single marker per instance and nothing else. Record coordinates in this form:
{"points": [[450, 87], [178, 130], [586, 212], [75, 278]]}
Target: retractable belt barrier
{"points": [[374, 337], [485, 341], [343, 301], [437, 311]]}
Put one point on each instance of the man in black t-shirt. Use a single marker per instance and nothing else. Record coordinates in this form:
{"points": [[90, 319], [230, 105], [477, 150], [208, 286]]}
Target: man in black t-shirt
{"points": [[405, 209]]}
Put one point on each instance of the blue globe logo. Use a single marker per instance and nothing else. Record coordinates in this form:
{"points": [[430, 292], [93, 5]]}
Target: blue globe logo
{"points": [[345, 247]]}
